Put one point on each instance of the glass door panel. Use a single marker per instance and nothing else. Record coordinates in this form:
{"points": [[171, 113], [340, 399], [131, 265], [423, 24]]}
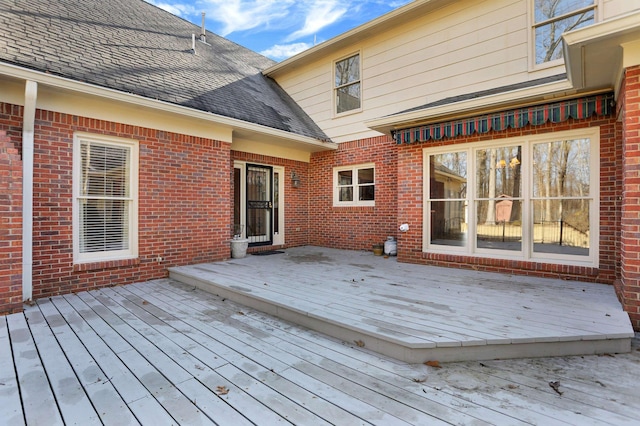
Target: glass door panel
{"points": [[259, 204]]}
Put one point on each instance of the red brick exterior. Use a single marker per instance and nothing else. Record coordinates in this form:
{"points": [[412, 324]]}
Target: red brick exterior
{"points": [[183, 202], [186, 203], [11, 220], [354, 228], [629, 108], [410, 199]]}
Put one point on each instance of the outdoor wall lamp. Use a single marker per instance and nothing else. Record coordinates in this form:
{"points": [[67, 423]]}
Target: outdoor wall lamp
{"points": [[295, 180]]}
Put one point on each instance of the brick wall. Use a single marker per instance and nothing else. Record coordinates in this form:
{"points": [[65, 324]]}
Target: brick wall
{"points": [[183, 203], [295, 199], [11, 220], [629, 284], [354, 228], [410, 199]]}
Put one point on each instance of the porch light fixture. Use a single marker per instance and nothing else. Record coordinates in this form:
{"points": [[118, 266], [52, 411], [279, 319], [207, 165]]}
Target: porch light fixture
{"points": [[295, 180]]}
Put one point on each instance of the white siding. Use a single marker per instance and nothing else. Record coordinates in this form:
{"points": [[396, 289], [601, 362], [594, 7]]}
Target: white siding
{"points": [[465, 47], [613, 8]]}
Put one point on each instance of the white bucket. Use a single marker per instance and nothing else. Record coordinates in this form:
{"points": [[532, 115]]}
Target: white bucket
{"points": [[390, 246], [239, 248]]}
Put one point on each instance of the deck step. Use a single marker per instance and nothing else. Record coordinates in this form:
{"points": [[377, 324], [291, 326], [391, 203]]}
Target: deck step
{"points": [[395, 338]]}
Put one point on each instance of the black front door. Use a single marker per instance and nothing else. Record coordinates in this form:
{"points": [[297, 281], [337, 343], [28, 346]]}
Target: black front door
{"points": [[259, 204]]}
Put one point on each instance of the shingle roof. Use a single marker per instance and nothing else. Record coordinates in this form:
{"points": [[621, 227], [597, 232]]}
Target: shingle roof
{"points": [[135, 47], [489, 92]]}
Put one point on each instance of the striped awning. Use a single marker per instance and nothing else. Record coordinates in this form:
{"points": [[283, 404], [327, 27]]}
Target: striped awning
{"points": [[580, 108]]}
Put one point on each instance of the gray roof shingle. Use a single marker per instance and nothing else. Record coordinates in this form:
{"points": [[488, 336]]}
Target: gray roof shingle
{"points": [[135, 47], [488, 92]]}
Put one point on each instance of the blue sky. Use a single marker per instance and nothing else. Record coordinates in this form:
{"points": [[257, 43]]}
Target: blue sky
{"points": [[279, 28]]}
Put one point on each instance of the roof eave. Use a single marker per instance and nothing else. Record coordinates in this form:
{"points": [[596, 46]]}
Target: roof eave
{"points": [[480, 105], [64, 83], [587, 49]]}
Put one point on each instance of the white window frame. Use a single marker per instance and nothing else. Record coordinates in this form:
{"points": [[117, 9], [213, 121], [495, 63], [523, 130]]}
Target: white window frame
{"points": [[531, 36], [105, 256], [335, 88], [356, 187], [526, 253]]}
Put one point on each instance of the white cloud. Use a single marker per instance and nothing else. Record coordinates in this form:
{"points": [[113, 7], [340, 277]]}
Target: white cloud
{"points": [[318, 14], [284, 51], [179, 9], [242, 15]]}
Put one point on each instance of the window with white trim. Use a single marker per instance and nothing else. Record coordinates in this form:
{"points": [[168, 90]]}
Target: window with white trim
{"points": [[354, 185], [530, 198], [347, 85], [105, 187], [552, 18]]}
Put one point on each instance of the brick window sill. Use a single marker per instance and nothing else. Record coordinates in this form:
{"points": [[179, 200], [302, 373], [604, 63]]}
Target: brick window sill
{"points": [[111, 264]]}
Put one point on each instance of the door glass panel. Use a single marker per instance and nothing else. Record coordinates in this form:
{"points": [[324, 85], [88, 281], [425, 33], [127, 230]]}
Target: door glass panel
{"points": [[561, 186], [237, 213], [504, 230], [276, 202], [449, 223], [259, 204], [498, 202], [448, 205]]}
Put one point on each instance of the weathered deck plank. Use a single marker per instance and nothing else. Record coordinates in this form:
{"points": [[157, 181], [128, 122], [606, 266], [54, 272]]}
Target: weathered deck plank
{"points": [[260, 362], [365, 375], [211, 376], [529, 402], [37, 398], [146, 409], [69, 394], [438, 404], [108, 403], [10, 405], [398, 310], [158, 351]]}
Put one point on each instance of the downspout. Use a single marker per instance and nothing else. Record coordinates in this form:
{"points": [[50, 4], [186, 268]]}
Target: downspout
{"points": [[28, 132]]}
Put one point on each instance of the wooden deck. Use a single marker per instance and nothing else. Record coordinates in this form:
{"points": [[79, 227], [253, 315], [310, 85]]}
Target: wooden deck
{"points": [[416, 313], [162, 352]]}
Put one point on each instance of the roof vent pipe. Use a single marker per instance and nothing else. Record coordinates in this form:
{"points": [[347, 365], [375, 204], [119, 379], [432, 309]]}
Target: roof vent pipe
{"points": [[203, 33], [193, 44]]}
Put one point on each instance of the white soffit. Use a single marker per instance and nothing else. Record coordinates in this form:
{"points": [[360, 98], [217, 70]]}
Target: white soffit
{"points": [[594, 55]]}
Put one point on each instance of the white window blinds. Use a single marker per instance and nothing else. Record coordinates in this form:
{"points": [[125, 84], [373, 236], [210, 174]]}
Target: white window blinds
{"points": [[104, 198]]}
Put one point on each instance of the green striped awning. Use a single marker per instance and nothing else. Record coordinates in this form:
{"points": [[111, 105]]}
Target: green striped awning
{"points": [[580, 108]]}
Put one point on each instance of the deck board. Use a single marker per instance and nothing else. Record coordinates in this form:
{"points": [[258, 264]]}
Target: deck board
{"points": [[108, 403], [36, 395], [157, 352], [437, 404], [69, 394], [260, 362], [10, 408], [413, 311], [142, 404]]}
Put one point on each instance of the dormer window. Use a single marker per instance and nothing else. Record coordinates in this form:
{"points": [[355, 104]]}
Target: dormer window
{"points": [[347, 84]]}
